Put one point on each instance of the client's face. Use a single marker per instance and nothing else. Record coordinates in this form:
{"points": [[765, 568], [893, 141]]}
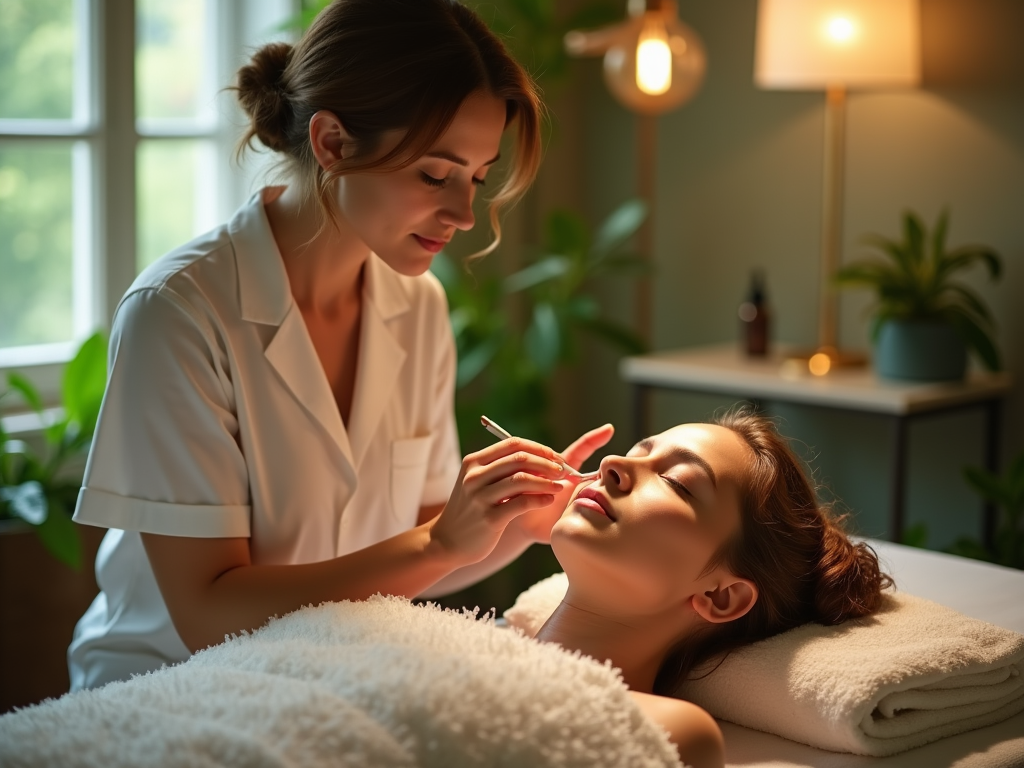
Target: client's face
{"points": [[638, 537]]}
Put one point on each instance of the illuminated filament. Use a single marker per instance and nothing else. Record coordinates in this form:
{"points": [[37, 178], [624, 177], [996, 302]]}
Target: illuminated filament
{"points": [[653, 60]]}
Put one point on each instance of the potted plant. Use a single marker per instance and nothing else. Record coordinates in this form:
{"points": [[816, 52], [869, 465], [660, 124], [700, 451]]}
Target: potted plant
{"points": [[34, 485], [925, 321]]}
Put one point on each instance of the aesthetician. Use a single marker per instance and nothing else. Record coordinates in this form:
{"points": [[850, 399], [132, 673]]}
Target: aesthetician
{"points": [[278, 425]]}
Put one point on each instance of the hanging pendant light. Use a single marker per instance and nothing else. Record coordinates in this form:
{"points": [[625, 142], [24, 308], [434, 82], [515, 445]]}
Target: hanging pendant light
{"points": [[653, 62]]}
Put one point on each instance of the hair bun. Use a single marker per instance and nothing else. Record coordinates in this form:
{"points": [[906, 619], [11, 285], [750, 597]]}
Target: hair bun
{"points": [[263, 95], [849, 580]]}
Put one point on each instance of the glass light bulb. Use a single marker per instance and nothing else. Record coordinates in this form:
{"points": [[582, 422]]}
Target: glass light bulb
{"points": [[653, 60], [841, 29]]}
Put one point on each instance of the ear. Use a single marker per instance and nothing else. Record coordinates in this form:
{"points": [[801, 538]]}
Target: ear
{"points": [[328, 138], [730, 599]]}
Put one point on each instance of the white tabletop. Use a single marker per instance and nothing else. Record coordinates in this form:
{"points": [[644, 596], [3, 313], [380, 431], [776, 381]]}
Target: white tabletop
{"points": [[724, 368]]}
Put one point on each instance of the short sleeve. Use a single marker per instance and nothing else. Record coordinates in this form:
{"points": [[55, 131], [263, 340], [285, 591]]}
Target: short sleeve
{"points": [[445, 457], [165, 457]]}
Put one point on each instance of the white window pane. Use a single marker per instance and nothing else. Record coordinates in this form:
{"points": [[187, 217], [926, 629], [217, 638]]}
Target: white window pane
{"points": [[171, 57], [176, 187], [36, 234], [37, 53]]}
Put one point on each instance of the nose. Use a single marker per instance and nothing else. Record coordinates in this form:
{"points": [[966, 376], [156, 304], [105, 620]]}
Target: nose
{"points": [[457, 207], [617, 473]]}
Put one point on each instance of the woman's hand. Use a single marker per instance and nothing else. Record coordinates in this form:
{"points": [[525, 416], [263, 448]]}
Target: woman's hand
{"points": [[536, 524], [495, 486]]}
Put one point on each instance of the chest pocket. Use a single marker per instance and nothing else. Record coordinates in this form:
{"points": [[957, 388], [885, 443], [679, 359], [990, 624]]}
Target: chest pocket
{"points": [[409, 460]]}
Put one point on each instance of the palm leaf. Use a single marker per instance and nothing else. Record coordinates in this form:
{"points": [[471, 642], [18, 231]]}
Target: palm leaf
{"points": [[939, 239], [967, 255], [913, 235], [616, 334], [987, 485], [971, 301], [974, 335], [25, 388]]}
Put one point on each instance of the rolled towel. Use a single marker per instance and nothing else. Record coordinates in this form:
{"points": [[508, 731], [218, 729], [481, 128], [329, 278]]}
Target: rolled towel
{"points": [[909, 674]]}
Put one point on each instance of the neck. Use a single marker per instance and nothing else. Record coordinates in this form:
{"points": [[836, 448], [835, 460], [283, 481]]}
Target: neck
{"points": [[636, 645], [324, 264]]}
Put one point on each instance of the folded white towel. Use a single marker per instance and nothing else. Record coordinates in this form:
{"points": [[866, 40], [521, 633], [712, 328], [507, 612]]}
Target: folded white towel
{"points": [[911, 673], [372, 684]]}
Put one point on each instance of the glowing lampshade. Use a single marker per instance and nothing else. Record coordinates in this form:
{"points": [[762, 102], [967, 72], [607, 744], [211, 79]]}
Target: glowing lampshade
{"points": [[814, 44]]}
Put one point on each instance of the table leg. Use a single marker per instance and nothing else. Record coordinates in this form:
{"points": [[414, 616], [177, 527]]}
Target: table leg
{"points": [[993, 438], [899, 478], [641, 411]]}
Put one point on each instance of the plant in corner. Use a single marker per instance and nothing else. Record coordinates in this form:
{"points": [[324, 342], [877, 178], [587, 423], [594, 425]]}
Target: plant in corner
{"points": [[34, 486], [925, 321], [1006, 493]]}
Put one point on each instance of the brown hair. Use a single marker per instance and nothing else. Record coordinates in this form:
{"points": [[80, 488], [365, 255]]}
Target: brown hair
{"points": [[381, 65], [793, 548]]}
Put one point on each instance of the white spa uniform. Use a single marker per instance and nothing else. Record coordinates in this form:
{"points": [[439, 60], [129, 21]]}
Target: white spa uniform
{"points": [[218, 421]]}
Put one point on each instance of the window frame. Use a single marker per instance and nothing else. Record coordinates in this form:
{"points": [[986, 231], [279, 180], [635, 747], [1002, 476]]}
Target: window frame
{"points": [[106, 135]]}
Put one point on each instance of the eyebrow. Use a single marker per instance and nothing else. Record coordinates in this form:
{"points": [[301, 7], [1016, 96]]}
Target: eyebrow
{"points": [[682, 455], [442, 155]]}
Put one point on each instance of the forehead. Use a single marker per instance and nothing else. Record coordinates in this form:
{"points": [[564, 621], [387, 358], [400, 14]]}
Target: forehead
{"points": [[477, 126], [722, 448]]}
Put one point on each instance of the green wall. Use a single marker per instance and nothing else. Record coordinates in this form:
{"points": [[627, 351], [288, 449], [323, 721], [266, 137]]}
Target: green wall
{"points": [[739, 186]]}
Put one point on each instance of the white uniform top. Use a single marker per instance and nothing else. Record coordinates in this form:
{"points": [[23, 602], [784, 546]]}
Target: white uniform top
{"points": [[218, 421]]}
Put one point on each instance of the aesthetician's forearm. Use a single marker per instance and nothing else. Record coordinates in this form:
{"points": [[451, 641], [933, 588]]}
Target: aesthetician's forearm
{"points": [[233, 595], [511, 545]]}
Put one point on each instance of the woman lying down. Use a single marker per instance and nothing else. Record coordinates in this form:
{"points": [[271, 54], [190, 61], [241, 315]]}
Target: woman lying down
{"points": [[702, 538]]}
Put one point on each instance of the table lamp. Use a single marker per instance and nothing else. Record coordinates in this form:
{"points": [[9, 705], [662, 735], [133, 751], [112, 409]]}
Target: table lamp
{"points": [[653, 63], [835, 45]]}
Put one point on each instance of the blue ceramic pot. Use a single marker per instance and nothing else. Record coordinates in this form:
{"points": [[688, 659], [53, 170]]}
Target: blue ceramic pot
{"points": [[920, 350]]}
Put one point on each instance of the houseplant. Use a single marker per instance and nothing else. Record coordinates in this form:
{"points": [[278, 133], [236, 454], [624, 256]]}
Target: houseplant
{"points": [[514, 332], [925, 321], [34, 485]]}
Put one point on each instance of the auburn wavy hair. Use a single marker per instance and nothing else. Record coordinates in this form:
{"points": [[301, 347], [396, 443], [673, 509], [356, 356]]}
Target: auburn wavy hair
{"points": [[382, 65], [791, 546]]}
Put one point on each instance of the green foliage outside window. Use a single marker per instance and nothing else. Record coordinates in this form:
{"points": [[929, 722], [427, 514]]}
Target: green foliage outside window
{"points": [[32, 484]]}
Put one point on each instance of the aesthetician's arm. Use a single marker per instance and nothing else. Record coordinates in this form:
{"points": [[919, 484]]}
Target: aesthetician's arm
{"points": [[212, 589]]}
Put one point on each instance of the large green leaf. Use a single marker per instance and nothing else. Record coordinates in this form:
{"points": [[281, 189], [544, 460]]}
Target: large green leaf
{"points": [[621, 225], [566, 233], [543, 337], [85, 380], [548, 268], [60, 537], [472, 363], [445, 271], [616, 334], [27, 390], [987, 485], [26, 500]]}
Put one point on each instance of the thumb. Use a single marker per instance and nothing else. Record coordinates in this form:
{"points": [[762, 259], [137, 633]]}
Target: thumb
{"points": [[585, 445]]}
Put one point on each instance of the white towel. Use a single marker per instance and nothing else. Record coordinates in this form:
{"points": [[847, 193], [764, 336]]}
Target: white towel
{"points": [[911, 673], [376, 684]]}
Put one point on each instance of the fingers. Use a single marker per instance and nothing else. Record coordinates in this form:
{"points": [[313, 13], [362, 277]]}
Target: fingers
{"points": [[584, 446], [518, 462], [522, 504], [513, 445], [514, 486]]}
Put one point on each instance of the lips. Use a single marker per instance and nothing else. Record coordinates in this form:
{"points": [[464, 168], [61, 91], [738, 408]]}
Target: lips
{"points": [[595, 500], [430, 244]]}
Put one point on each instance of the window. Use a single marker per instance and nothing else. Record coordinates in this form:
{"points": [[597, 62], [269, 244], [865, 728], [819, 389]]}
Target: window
{"points": [[116, 145]]}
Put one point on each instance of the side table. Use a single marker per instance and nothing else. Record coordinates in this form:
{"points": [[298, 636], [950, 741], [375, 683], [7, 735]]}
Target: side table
{"points": [[724, 369]]}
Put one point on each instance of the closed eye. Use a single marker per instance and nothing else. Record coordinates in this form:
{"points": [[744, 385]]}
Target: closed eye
{"points": [[678, 487], [440, 183]]}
